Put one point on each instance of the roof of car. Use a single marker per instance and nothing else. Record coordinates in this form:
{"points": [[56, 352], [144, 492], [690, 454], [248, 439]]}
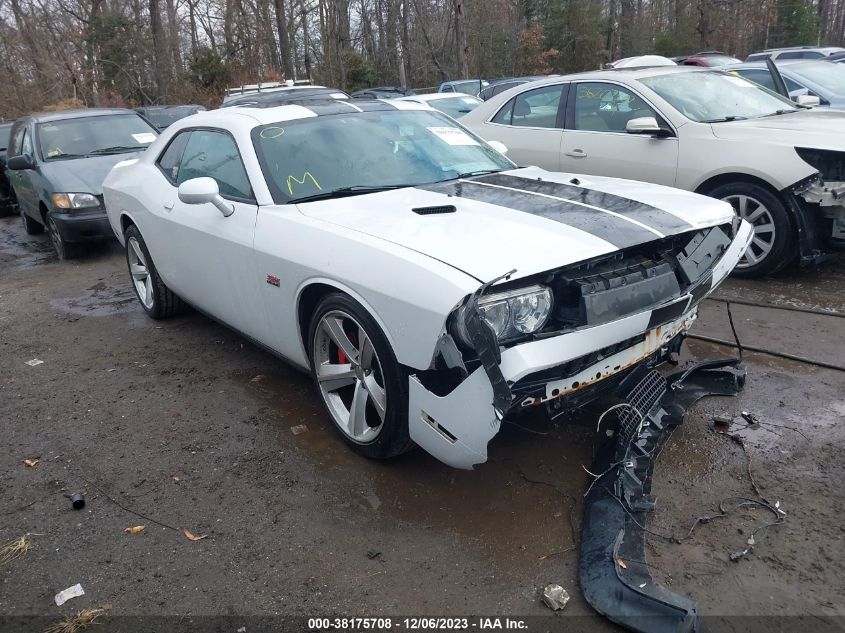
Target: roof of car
{"points": [[61, 115]]}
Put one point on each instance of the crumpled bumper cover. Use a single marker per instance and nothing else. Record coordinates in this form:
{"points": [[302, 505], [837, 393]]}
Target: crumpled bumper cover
{"points": [[457, 427]]}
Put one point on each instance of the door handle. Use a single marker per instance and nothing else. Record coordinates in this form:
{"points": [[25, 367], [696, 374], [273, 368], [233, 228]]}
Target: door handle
{"points": [[168, 206], [577, 153]]}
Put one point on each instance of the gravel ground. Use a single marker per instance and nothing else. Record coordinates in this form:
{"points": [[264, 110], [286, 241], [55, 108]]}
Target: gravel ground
{"points": [[184, 424]]}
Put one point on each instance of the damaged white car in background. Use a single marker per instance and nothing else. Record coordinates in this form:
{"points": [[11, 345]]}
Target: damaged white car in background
{"points": [[429, 285]]}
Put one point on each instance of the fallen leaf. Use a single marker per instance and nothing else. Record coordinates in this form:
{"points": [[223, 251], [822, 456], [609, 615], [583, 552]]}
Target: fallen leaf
{"points": [[176, 478], [175, 414], [299, 428], [191, 537], [621, 563], [31, 462], [136, 529]]}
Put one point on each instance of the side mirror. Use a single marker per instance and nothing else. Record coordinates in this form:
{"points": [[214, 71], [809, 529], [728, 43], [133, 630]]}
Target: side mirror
{"points": [[204, 191], [498, 146], [645, 125], [808, 101], [24, 161]]}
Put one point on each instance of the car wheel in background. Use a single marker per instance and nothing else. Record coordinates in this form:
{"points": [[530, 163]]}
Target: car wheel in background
{"points": [[64, 250], [156, 298], [29, 225], [773, 245], [362, 386]]}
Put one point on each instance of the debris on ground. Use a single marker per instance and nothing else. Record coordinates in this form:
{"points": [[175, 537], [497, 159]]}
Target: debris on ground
{"points": [[135, 529], [31, 462], [13, 549], [71, 592], [373, 553], [75, 623], [34, 362], [722, 423], [299, 428], [192, 537], [77, 500], [555, 597], [753, 420]]}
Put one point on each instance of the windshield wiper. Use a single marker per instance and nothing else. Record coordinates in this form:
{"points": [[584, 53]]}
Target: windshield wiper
{"points": [[725, 119], [61, 156], [342, 192], [117, 149], [779, 112], [478, 172]]}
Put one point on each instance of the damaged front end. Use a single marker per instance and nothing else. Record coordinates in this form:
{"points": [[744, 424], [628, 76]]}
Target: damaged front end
{"points": [[820, 200], [607, 317]]}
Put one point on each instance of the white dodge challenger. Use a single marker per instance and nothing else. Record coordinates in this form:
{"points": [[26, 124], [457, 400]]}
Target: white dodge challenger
{"points": [[429, 285]]}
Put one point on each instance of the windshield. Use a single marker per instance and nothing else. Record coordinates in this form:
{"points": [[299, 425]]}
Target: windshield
{"points": [[472, 87], [456, 107], [712, 96], [386, 149], [165, 116], [827, 75], [106, 134]]}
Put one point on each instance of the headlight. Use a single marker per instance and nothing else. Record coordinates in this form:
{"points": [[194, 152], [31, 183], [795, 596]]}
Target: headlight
{"points": [[514, 313], [75, 200]]}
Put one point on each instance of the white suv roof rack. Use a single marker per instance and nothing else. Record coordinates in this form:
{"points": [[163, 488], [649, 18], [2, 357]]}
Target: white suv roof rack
{"points": [[267, 86]]}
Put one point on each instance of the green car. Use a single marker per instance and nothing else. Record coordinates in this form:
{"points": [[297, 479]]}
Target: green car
{"points": [[57, 162]]}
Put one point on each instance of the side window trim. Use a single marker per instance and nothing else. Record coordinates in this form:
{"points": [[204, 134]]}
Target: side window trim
{"points": [[570, 106], [251, 200]]}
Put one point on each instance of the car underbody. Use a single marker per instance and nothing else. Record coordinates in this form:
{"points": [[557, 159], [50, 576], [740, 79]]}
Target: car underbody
{"points": [[630, 310]]}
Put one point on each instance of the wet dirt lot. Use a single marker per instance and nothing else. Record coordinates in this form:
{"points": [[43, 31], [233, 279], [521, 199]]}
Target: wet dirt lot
{"points": [[188, 424]]}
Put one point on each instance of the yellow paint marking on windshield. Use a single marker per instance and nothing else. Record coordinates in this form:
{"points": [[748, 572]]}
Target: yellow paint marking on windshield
{"points": [[272, 132], [307, 175]]}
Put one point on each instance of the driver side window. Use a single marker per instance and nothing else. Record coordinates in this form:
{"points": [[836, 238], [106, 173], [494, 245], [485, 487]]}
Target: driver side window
{"points": [[601, 107], [215, 155]]}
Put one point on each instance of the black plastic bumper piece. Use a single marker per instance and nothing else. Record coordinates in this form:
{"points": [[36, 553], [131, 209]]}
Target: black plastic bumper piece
{"points": [[615, 578]]}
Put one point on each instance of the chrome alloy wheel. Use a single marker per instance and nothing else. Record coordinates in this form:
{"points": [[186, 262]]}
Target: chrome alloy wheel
{"points": [[760, 218], [141, 276], [350, 376]]}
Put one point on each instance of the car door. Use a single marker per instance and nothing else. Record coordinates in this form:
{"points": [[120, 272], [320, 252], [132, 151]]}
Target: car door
{"points": [[596, 141], [530, 125], [23, 181], [205, 257]]}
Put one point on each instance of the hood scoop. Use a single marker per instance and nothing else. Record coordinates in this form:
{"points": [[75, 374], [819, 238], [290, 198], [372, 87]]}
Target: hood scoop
{"points": [[438, 210]]}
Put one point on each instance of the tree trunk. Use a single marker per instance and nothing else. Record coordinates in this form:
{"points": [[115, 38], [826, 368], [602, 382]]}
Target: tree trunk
{"points": [[284, 41], [461, 38]]}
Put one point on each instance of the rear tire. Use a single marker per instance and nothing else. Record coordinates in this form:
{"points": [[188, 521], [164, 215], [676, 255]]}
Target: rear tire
{"points": [[158, 301], [362, 386], [29, 225], [774, 243]]}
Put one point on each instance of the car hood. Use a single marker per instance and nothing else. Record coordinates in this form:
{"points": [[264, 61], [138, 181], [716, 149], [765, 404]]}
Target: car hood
{"points": [[820, 128], [527, 219], [82, 175]]}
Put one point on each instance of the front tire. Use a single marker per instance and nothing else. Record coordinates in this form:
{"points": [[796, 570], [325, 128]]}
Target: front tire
{"points": [[158, 301], [774, 243], [362, 386], [64, 250]]}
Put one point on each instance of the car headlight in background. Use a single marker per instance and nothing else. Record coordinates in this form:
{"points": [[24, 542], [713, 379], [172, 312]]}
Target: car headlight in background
{"points": [[514, 313], [75, 201]]}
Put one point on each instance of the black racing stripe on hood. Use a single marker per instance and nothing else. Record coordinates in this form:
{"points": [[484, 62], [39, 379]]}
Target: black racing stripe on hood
{"points": [[610, 228], [655, 218]]}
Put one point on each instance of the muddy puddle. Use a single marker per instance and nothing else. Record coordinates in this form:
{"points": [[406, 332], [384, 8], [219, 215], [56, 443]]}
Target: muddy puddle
{"points": [[101, 299], [524, 505], [22, 250]]}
